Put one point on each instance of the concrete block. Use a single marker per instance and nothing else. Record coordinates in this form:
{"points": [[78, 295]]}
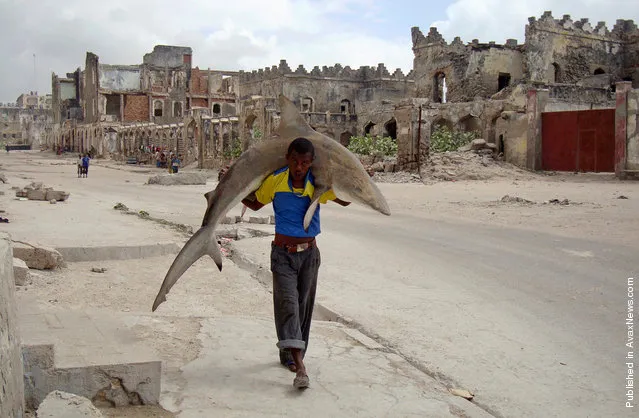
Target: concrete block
{"points": [[60, 404], [478, 143], [228, 220], [123, 384], [20, 272], [258, 220], [58, 195], [38, 257], [36, 194], [11, 368], [271, 220], [75, 254]]}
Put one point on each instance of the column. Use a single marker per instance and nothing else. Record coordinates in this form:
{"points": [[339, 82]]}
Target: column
{"points": [[621, 127], [535, 105]]}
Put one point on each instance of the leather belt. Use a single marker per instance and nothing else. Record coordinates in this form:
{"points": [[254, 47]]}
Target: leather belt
{"points": [[296, 248]]}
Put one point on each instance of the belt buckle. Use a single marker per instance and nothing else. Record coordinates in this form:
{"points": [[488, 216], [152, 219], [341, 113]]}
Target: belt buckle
{"points": [[301, 247]]}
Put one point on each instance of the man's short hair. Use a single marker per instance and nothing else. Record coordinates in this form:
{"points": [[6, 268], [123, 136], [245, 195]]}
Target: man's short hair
{"points": [[301, 146]]}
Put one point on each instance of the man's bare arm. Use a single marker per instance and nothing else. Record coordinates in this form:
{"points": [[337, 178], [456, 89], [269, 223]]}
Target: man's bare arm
{"points": [[252, 203]]}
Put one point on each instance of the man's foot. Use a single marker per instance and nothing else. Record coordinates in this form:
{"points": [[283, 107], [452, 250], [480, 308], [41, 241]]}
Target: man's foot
{"points": [[291, 366], [301, 381]]}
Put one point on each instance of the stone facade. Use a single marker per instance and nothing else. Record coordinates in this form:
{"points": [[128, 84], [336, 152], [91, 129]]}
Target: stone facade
{"points": [[24, 125], [486, 87], [567, 51], [338, 101], [478, 87], [11, 368]]}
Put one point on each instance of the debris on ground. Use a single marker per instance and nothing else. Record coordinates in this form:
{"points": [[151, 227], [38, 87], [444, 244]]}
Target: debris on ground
{"points": [[37, 256], [516, 199], [21, 275], [398, 177], [622, 197], [180, 179], [63, 404], [474, 164], [121, 206], [37, 191], [564, 202], [98, 270], [462, 393]]}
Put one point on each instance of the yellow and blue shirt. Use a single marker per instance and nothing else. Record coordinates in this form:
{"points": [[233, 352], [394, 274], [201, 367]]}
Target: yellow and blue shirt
{"points": [[290, 204]]}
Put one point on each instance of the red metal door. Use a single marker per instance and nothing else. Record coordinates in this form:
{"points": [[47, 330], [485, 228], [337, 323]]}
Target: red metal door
{"points": [[559, 141], [579, 140]]}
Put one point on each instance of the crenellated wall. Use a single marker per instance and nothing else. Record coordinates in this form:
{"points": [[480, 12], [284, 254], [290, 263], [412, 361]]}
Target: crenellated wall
{"points": [[363, 73], [566, 50]]}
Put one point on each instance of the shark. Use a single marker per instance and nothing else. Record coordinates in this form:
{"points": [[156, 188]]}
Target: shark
{"points": [[334, 167]]}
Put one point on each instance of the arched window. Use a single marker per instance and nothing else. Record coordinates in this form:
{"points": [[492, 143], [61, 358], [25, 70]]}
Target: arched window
{"points": [[368, 129], [439, 87], [390, 128], [555, 73], [307, 105], [216, 108], [345, 106], [158, 108], [177, 109]]}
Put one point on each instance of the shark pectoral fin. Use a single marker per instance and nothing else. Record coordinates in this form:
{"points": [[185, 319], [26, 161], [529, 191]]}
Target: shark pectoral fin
{"points": [[308, 217], [201, 243]]}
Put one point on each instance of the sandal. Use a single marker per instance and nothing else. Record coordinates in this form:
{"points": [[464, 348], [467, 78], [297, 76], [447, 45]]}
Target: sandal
{"points": [[301, 382], [291, 366]]}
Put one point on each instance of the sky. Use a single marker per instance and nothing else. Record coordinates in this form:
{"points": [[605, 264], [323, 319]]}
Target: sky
{"points": [[253, 34]]}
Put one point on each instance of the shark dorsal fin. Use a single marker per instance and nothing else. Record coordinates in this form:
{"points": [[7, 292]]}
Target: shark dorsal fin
{"points": [[292, 123]]}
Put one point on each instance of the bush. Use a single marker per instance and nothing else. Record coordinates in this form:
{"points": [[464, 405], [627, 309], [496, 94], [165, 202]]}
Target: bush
{"points": [[235, 151], [379, 146], [443, 139]]}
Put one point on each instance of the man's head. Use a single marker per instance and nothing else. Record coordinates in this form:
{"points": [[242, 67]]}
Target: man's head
{"points": [[300, 156]]}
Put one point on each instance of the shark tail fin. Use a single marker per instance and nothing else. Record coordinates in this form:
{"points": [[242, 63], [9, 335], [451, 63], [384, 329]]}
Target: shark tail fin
{"points": [[308, 216], [201, 243]]}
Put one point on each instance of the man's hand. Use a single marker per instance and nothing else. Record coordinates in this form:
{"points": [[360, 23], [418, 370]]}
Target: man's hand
{"points": [[222, 172]]}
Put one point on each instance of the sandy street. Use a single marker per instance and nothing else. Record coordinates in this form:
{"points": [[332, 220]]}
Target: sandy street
{"points": [[512, 288]]}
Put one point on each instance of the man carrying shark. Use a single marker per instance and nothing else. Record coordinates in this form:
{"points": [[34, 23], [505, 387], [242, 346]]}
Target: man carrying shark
{"points": [[295, 257], [278, 170]]}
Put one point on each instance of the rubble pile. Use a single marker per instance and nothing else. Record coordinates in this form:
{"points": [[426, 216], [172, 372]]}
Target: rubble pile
{"points": [[475, 161], [37, 191], [178, 179]]}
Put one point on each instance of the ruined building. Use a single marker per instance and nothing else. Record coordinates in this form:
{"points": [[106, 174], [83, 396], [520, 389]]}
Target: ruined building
{"points": [[502, 92], [487, 87], [338, 101], [119, 109]]}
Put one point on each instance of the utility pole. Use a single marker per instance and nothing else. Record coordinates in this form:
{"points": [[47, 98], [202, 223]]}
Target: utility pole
{"points": [[35, 79]]}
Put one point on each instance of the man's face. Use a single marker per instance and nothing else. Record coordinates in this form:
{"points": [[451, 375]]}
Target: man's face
{"points": [[298, 164]]}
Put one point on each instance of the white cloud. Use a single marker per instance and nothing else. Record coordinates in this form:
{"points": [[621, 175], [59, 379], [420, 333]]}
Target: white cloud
{"points": [[241, 34], [498, 20], [248, 34]]}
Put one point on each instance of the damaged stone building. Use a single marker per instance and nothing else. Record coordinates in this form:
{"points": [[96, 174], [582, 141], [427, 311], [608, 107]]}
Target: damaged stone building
{"points": [[515, 96], [121, 110], [504, 91], [337, 101], [24, 125]]}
